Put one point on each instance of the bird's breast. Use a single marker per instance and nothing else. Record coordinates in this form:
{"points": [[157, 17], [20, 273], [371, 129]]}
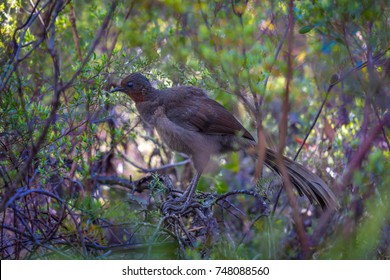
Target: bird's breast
{"points": [[150, 112]]}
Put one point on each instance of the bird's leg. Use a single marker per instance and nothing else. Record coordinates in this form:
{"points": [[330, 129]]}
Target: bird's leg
{"points": [[182, 203], [190, 191]]}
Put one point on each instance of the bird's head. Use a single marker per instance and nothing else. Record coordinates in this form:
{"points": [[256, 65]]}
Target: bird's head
{"points": [[136, 86]]}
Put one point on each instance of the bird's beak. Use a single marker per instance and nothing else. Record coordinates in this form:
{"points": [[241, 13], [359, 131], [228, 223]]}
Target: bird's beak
{"points": [[117, 89]]}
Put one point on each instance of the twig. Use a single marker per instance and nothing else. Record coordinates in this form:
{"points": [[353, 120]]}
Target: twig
{"points": [[261, 145], [14, 60], [364, 148], [155, 235], [353, 165], [58, 88], [278, 49], [76, 38], [35, 147], [250, 228], [98, 37], [22, 193], [236, 192], [334, 81], [282, 139], [184, 229], [116, 35], [153, 170]]}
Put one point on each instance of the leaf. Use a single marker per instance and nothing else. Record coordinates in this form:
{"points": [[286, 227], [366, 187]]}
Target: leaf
{"points": [[306, 29]]}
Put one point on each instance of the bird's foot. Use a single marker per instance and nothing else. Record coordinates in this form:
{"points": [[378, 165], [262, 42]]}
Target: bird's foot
{"points": [[174, 206], [178, 206], [182, 204]]}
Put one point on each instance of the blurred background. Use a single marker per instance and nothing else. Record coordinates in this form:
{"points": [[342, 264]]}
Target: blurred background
{"points": [[82, 176]]}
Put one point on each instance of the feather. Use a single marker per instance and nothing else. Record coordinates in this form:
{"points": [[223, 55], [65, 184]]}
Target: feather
{"points": [[306, 182]]}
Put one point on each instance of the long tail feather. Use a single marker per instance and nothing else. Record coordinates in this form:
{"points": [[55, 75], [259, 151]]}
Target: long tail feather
{"points": [[306, 182]]}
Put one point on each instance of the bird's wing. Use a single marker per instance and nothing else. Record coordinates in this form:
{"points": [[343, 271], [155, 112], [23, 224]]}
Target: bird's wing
{"points": [[194, 110]]}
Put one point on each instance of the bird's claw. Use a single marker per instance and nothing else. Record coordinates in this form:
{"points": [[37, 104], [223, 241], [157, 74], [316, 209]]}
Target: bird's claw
{"points": [[174, 206]]}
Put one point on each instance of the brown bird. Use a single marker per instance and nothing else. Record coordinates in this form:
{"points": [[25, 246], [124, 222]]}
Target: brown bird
{"points": [[188, 121]]}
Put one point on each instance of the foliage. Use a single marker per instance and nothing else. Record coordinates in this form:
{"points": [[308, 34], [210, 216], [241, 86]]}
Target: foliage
{"points": [[73, 157]]}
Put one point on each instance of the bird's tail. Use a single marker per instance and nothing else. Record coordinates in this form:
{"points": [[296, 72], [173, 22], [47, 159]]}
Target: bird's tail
{"points": [[306, 182]]}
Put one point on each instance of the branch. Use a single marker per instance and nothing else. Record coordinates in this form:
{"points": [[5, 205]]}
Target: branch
{"points": [[23, 193], [282, 139], [353, 165], [334, 81], [137, 186], [98, 36], [362, 152], [153, 170], [76, 38], [58, 88]]}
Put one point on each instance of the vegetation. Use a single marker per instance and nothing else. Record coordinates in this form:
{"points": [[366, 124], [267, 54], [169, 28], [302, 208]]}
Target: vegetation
{"points": [[81, 176]]}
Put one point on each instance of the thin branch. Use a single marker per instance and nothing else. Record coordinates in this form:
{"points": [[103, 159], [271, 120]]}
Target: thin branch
{"points": [[345, 180], [98, 37], [362, 152], [58, 89], [23, 193], [76, 38], [335, 80], [116, 35], [278, 49], [153, 170], [282, 139], [14, 60]]}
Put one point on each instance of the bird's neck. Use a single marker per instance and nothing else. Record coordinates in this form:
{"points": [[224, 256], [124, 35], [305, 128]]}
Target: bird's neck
{"points": [[147, 105], [146, 94]]}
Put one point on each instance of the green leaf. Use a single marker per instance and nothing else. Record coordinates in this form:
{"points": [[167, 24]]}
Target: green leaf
{"points": [[306, 29]]}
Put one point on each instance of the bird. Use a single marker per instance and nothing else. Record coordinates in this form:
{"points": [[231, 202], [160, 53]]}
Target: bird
{"points": [[190, 122]]}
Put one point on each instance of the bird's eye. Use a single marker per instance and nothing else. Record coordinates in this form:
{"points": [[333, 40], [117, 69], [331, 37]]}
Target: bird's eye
{"points": [[130, 84]]}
